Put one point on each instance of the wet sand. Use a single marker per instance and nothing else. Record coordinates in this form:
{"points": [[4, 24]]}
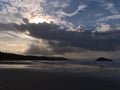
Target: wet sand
{"points": [[21, 79]]}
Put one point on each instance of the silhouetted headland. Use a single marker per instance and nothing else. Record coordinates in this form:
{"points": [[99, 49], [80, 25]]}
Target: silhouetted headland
{"points": [[9, 56], [103, 59]]}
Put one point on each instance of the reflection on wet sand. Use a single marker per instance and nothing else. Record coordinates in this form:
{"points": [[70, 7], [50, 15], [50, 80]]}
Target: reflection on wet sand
{"points": [[69, 66]]}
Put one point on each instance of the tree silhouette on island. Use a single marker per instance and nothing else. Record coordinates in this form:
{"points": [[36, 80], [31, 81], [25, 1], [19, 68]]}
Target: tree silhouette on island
{"points": [[10, 56]]}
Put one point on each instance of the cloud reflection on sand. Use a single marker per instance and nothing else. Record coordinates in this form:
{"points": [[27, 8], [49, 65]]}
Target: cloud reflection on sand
{"points": [[14, 64], [8, 66], [72, 66], [62, 66]]}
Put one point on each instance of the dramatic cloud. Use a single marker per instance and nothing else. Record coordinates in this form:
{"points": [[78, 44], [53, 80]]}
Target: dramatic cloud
{"points": [[23, 9], [4, 27], [39, 47], [109, 6], [65, 40], [14, 41], [59, 3], [80, 7], [104, 27], [107, 18], [113, 17], [117, 27], [43, 11], [49, 39], [60, 27], [56, 11]]}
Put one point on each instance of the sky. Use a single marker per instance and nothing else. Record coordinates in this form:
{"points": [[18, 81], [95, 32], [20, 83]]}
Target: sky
{"points": [[78, 29]]}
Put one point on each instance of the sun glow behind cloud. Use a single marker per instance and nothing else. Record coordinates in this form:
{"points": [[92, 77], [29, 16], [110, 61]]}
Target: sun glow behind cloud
{"points": [[23, 29], [20, 42], [38, 11], [41, 20], [38, 20], [11, 42]]}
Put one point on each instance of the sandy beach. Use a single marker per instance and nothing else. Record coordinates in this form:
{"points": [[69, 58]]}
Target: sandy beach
{"points": [[20, 79], [59, 75]]}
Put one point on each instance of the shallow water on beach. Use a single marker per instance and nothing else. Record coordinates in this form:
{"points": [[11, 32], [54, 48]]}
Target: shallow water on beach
{"points": [[104, 69], [72, 65]]}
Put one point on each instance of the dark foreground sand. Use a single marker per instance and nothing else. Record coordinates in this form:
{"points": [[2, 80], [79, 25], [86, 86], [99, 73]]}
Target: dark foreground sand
{"points": [[13, 79]]}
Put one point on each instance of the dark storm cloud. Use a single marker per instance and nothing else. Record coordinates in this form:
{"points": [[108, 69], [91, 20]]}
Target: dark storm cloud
{"points": [[4, 27], [68, 41]]}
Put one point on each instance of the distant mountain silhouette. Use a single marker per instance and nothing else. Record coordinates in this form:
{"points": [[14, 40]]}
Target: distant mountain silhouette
{"points": [[103, 59], [9, 56]]}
